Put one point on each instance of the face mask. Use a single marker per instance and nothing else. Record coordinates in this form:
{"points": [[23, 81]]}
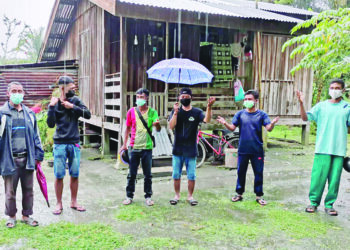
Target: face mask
{"points": [[248, 104], [16, 98], [70, 93], [335, 93], [140, 102], [185, 102]]}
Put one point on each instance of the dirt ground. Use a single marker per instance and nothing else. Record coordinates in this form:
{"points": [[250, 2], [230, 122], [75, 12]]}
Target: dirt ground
{"points": [[216, 223]]}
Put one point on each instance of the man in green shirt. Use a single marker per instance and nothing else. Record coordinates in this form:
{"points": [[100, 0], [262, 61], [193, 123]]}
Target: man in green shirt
{"points": [[141, 145], [332, 118]]}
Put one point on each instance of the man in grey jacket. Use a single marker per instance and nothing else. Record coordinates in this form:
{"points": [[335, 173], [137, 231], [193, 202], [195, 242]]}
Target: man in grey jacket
{"points": [[64, 112], [20, 151]]}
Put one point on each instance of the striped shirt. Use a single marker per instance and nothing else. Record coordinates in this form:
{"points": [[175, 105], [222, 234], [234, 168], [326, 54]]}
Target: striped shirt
{"points": [[18, 131]]}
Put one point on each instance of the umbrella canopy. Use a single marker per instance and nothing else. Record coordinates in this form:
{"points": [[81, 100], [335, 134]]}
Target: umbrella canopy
{"points": [[42, 182], [180, 70]]}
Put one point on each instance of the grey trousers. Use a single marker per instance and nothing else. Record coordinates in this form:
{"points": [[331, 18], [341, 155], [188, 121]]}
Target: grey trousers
{"points": [[11, 183]]}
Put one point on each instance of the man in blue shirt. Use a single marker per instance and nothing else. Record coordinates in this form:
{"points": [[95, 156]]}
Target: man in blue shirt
{"points": [[250, 122]]}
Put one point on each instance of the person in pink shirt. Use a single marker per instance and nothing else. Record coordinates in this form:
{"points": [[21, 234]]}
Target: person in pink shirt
{"points": [[141, 145]]}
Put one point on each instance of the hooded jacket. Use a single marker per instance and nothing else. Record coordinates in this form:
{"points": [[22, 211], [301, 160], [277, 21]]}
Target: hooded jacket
{"points": [[34, 148], [66, 121]]}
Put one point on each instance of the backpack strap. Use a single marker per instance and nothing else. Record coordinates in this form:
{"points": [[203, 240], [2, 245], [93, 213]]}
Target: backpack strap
{"points": [[146, 127]]}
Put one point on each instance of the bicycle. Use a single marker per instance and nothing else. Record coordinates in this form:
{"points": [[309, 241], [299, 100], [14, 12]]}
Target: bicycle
{"points": [[227, 139]]}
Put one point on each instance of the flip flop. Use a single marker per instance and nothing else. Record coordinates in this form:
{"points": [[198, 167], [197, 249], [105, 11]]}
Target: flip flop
{"points": [[12, 222], [57, 211], [311, 209], [79, 208], [237, 198], [149, 202], [261, 201], [331, 211], [193, 202], [127, 201], [31, 222], [174, 201]]}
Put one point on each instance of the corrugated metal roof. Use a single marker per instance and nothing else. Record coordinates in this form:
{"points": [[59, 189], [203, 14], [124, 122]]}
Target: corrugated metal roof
{"points": [[163, 145], [63, 19], [216, 7], [264, 6], [186, 5]]}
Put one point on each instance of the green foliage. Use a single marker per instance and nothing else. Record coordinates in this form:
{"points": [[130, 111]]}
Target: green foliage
{"points": [[30, 42], [242, 224], [64, 236], [291, 132], [46, 133], [326, 49], [285, 2]]}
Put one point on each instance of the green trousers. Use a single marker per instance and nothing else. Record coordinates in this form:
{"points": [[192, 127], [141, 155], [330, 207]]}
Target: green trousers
{"points": [[326, 167]]}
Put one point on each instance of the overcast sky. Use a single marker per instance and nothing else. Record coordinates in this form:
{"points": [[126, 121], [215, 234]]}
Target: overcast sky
{"points": [[35, 13]]}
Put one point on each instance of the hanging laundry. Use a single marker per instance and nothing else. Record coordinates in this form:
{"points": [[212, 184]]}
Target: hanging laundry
{"points": [[239, 91], [236, 51]]}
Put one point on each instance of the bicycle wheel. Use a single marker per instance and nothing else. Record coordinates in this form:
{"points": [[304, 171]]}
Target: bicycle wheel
{"points": [[234, 142], [201, 154]]}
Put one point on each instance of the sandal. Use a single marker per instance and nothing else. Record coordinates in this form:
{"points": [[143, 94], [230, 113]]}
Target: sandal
{"points": [[237, 198], [149, 202], [310, 209], [331, 211], [127, 201], [57, 211], [11, 223], [261, 201], [174, 201], [31, 222], [193, 202], [79, 208]]}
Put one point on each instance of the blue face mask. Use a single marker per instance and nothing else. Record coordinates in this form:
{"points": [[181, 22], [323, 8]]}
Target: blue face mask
{"points": [[140, 102]]}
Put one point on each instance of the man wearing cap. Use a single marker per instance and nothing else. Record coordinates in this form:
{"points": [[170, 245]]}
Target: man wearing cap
{"points": [[20, 151], [185, 120], [141, 145], [64, 113]]}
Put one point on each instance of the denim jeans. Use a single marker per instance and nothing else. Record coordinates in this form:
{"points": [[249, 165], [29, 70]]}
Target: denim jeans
{"points": [[178, 162], [62, 152], [257, 161], [145, 157]]}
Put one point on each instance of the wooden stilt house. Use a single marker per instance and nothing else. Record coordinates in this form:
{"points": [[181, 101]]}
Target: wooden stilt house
{"points": [[116, 41]]}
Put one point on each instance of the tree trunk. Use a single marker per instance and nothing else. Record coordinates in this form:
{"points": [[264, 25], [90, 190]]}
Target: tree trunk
{"points": [[320, 86]]}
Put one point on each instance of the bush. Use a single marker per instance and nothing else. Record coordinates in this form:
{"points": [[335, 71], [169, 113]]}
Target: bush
{"points": [[46, 133]]}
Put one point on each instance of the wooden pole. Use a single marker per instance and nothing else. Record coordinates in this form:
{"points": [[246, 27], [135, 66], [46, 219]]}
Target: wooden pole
{"points": [[261, 99], [166, 57], [123, 76]]}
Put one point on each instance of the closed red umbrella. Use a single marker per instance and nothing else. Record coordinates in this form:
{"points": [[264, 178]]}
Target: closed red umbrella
{"points": [[42, 182]]}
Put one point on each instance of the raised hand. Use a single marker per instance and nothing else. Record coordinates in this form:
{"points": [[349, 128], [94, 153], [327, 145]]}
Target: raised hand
{"points": [[274, 121], [221, 120], [211, 101], [176, 107], [53, 101], [67, 104], [300, 96]]}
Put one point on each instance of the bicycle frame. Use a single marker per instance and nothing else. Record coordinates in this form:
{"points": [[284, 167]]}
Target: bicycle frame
{"points": [[221, 142]]}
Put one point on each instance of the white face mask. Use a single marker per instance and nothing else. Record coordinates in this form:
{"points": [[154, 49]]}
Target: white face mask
{"points": [[335, 93]]}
